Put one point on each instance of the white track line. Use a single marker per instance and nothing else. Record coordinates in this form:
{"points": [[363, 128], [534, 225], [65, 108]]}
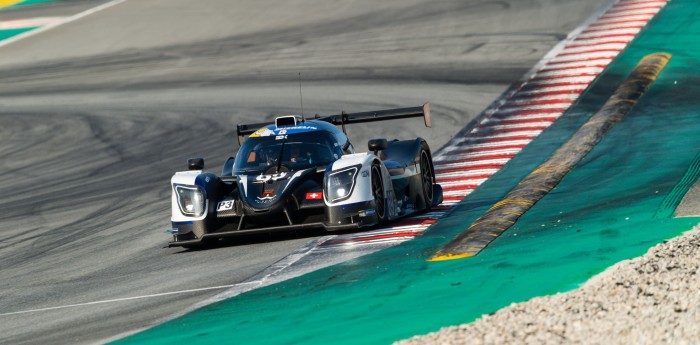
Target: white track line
{"points": [[29, 23], [57, 24], [120, 299]]}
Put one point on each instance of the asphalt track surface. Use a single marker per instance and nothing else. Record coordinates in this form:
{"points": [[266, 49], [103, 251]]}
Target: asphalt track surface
{"points": [[96, 115]]}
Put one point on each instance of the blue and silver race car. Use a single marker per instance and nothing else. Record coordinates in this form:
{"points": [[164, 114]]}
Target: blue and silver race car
{"points": [[302, 173]]}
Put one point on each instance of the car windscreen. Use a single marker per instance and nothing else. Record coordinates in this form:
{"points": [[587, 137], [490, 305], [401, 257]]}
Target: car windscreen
{"points": [[294, 152]]}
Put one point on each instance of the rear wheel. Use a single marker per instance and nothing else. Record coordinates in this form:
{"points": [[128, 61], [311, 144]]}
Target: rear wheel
{"points": [[378, 193], [426, 172]]}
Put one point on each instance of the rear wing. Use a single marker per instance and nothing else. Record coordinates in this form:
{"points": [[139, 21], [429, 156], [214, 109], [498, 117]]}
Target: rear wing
{"points": [[381, 115], [346, 119]]}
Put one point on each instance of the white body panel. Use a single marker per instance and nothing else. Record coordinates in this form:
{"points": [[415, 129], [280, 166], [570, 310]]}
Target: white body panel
{"points": [[362, 191], [362, 188], [184, 178]]}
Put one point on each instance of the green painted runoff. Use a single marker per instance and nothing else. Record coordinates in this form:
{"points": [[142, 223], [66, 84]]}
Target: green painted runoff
{"points": [[602, 212], [7, 33]]}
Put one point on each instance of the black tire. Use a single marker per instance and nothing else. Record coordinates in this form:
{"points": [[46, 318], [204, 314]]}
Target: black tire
{"points": [[426, 171], [378, 193]]}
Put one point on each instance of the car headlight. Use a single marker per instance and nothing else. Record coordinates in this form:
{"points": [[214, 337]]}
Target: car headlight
{"points": [[191, 200], [339, 184]]}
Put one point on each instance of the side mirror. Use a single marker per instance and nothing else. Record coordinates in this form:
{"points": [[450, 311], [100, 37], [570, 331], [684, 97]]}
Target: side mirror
{"points": [[195, 164], [377, 145]]}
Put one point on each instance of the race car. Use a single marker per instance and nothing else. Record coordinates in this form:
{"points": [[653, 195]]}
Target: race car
{"points": [[299, 173]]}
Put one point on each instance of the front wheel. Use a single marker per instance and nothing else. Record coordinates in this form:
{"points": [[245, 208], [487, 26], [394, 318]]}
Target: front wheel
{"points": [[378, 193]]}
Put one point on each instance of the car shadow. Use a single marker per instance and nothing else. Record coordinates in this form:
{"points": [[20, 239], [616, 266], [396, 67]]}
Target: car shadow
{"points": [[248, 239]]}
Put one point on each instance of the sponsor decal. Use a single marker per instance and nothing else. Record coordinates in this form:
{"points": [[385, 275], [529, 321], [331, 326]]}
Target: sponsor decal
{"points": [[268, 194], [262, 132], [314, 196], [265, 199], [281, 133], [297, 128]]}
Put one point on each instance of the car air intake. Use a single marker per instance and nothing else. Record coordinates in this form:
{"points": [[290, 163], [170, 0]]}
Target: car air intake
{"points": [[286, 121]]}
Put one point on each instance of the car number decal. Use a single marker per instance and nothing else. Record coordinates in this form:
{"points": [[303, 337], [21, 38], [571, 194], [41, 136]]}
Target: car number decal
{"points": [[224, 206]]}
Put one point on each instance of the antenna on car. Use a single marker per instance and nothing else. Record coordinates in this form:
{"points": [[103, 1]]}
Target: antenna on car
{"points": [[301, 100]]}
